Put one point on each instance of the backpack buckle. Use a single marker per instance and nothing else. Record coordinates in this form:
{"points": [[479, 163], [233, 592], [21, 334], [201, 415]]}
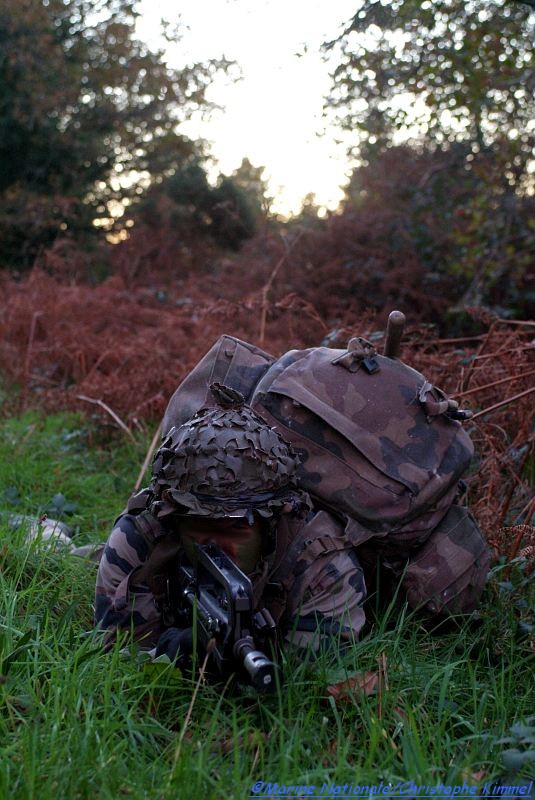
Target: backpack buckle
{"points": [[360, 352]]}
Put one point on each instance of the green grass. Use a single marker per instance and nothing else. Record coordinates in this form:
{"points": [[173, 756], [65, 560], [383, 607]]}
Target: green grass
{"points": [[75, 723]]}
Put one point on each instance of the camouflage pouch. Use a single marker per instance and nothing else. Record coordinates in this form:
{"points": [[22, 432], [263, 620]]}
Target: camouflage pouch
{"points": [[448, 573], [231, 362]]}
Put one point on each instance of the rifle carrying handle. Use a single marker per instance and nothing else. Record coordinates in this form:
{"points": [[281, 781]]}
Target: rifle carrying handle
{"points": [[394, 332]]}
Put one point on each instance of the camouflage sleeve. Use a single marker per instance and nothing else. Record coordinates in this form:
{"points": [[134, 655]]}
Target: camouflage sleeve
{"points": [[326, 603], [121, 605]]}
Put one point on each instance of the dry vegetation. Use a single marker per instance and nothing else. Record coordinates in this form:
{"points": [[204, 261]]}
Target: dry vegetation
{"points": [[120, 348]]}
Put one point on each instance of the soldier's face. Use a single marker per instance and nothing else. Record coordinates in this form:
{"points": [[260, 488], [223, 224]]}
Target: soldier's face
{"points": [[239, 540]]}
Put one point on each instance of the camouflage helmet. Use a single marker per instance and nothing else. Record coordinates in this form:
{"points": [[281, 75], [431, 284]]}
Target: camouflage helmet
{"points": [[227, 462]]}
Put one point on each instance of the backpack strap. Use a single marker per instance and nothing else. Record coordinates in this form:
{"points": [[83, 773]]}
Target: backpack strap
{"points": [[281, 533], [299, 543], [320, 535]]}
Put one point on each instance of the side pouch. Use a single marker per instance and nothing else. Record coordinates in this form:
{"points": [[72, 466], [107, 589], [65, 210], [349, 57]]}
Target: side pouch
{"points": [[448, 573]]}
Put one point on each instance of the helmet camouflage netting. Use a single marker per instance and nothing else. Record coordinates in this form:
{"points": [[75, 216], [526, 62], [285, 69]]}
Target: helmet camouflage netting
{"points": [[227, 461]]}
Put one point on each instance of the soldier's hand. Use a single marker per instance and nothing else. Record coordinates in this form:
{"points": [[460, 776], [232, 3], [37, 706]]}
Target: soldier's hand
{"points": [[177, 644]]}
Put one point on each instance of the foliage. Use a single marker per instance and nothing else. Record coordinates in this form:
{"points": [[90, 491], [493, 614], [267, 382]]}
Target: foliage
{"points": [[473, 237], [119, 349], [56, 465], [88, 114], [448, 69], [309, 212], [458, 79], [232, 214], [77, 722], [185, 210], [522, 736], [252, 182]]}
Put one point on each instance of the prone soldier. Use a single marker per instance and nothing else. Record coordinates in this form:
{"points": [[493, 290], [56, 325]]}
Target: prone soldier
{"points": [[227, 477]]}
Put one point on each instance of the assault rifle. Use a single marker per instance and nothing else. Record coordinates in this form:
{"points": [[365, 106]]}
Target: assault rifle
{"points": [[216, 596]]}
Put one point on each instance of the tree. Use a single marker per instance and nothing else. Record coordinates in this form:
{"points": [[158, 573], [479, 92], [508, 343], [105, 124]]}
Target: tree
{"points": [[228, 212], [88, 116], [454, 81], [233, 218], [309, 209], [252, 182], [182, 221], [474, 243], [446, 70]]}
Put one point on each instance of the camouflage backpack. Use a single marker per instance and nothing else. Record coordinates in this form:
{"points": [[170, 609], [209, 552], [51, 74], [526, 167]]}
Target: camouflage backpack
{"points": [[379, 445]]}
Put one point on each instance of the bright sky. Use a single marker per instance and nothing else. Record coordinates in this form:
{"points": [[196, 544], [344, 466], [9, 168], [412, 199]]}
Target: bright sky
{"points": [[273, 115]]}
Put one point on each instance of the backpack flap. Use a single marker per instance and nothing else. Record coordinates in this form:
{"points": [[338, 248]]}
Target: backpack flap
{"points": [[367, 446]]}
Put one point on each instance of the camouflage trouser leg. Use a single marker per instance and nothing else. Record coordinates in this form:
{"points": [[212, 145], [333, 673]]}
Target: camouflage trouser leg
{"points": [[93, 552], [447, 574]]}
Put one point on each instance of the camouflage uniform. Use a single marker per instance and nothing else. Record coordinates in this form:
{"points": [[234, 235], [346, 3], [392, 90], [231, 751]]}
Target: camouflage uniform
{"points": [[312, 580], [317, 584]]}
